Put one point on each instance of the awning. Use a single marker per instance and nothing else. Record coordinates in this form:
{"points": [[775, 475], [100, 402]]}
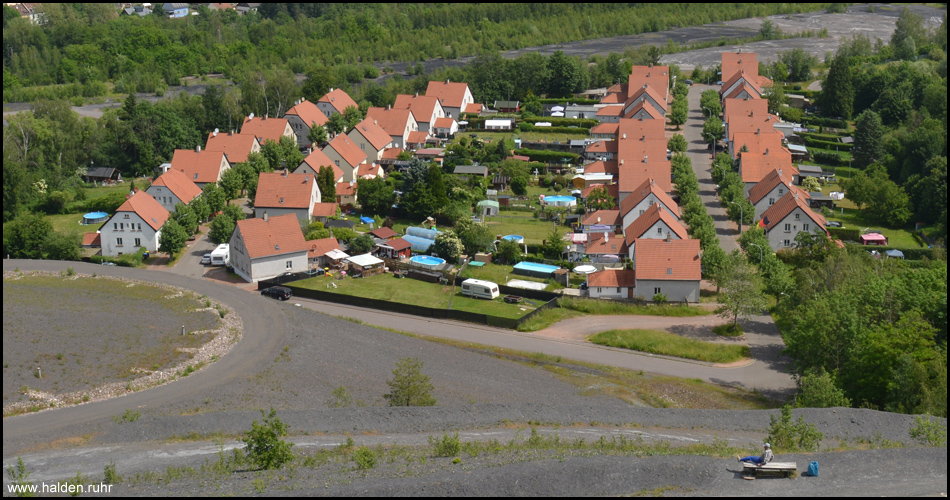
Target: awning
{"points": [[336, 254], [365, 260]]}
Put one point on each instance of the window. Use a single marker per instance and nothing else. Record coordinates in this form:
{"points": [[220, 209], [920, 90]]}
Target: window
{"points": [[118, 242], [115, 226], [798, 216], [618, 289], [788, 228], [290, 264], [669, 270], [598, 289], [804, 227], [126, 216], [337, 162], [140, 226], [771, 201], [138, 242], [656, 290], [363, 146], [641, 212], [659, 230], [788, 243], [781, 191]]}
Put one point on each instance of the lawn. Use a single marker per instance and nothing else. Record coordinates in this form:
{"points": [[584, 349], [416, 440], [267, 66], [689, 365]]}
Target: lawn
{"points": [[497, 273], [669, 344], [415, 292], [522, 223], [569, 307], [848, 214], [69, 223]]}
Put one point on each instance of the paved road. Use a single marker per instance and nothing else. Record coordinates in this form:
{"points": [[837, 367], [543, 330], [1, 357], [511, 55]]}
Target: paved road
{"points": [[699, 154]]}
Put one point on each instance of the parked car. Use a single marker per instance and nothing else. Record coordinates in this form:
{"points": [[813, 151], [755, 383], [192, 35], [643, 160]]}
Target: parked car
{"points": [[206, 259], [833, 223], [277, 292]]}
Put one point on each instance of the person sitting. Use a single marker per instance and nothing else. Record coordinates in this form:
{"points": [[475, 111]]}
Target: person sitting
{"points": [[762, 460]]}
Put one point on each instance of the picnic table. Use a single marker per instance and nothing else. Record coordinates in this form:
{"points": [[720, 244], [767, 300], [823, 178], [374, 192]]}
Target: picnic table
{"points": [[784, 468]]}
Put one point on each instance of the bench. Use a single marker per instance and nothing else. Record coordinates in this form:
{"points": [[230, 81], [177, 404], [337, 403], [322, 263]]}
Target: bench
{"points": [[784, 468]]}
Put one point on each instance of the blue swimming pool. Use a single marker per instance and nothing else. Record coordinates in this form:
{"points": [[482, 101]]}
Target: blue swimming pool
{"points": [[534, 269], [560, 201], [94, 217], [513, 237], [427, 261]]}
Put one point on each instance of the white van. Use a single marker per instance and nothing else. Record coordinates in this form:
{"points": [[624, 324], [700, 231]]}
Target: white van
{"points": [[479, 289], [221, 256]]}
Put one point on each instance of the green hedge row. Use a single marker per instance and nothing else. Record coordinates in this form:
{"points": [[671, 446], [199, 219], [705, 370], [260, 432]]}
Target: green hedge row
{"points": [[822, 137], [816, 143], [547, 156], [55, 92], [529, 127], [825, 122], [909, 253], [565, 122], [844, 234]]}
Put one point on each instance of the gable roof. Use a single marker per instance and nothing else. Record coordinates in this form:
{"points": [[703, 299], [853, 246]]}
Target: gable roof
{"points": [[737, 62], [613, 278], [663, 260], [749, 80], [345, 188], [179, 184], [397, 244], [603, 217], [319, 248], [604, 166], [422, 106], [339, 99], [605, 128], [143, 205], [383, 232], [417, 137], [308, 112], [373, 133], [657, 77], [282, 190], [770, 182], [444, 122], [612, 190], [198, 166], [264, 128], [266, 237], [653, 215], [649, 91], [733, 108], [236, 146], [645, 107], [317, 158], [606, 244], [393, 121], [640, 159], [610, 111], [754, 167], [642, 191], [641, 129], [347, 149], [92, 240], [324, 209], [370, 169], [450, 94], [763, 124], [602, 146], [774, 215], [473, 107]]}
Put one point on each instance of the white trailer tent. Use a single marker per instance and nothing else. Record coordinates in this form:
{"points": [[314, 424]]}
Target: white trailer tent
{"points": [[480, 289]]}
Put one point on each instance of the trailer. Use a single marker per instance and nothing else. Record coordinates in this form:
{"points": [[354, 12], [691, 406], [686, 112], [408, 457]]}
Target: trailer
{"points": [[221, 256], [479, 289]]}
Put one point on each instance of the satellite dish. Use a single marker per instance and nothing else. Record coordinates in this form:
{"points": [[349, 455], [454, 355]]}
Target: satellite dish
{"points": [[598, 220]]}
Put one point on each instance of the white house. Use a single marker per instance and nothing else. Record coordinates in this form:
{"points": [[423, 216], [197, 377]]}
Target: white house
{"points": [[171, 188], [612, 283], [398, 123], [267, 247], [671, 267], [655, 223], [371, 139], [280, 193], [789, 216], [425, 109], [771, 189], [302, 117], [335, 101], [135, 225], [455, 97], [644, 197], [200, 167]]}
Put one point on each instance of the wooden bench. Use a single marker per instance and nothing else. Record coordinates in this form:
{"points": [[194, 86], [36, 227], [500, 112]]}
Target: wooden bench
{"points": [[784, 468]]}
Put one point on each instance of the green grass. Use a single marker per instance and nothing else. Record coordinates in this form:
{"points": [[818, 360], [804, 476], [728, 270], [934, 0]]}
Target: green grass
{"points": [[728, 330], [497, 273], [547, 318], [848, 214], [522, 223], [569, 307], [669, 344], [69, 223], [415, 292], [535, 136]]}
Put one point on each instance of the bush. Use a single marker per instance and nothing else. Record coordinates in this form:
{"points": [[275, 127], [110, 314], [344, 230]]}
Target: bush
{"points": [[263, 445], [845, 234], [365, 458], [409, 386], [928, 432], [446, 446], [660, 299], [790, 437]]}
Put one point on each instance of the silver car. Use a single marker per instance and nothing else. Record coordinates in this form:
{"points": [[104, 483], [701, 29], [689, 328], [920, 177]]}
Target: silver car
{"points": [[206, 259]]}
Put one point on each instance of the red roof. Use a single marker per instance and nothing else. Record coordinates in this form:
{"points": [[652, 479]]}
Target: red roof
{"points": [[236, 146], [392, 153], [272, 236], [339, 100], [450, 94], [754, 167], [614, 98], [345, 189], [92, 240], [602, 146], [661, 260], [394, 121], [422, 106], [199, 167], [605, 128], [398, 244], [417, 137], [733, 108], [603, 217], [444, 122], [613, 244], [750, 80], [277, 190], [473, 108], [657, 77], [641, 159], [143, 205], [368, 169], [612, 190], [373, 133], [770, 182], [383, 232], [642, 191], [319, 248], [309, 113], [641, 129], [266, 129], [613, 278], [317, 158], [610, 111], [646, 108], [653, 93], [602, 166], [752, 123], [324, 209], [774, 215], [347, 149], [654, 214], [736, 62], [179, 184]]}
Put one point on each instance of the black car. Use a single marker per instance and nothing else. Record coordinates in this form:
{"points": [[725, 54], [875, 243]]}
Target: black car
{"points": [[277, 292]]}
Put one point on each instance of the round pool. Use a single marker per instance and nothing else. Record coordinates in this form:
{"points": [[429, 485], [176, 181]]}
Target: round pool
{"points": [[560, 201], [514, 237], [427, 261], [94, 217]]}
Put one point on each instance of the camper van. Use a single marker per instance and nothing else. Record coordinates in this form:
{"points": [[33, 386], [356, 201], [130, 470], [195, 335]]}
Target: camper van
{"points": [[221, 256], [479, 289]]}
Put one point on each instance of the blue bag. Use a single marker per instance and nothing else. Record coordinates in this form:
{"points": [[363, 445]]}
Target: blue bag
{"points": [[813, 469]]}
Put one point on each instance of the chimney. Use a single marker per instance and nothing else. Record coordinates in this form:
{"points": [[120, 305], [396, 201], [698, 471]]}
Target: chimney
{"points": [[447, 81], [758, 131], [780, 173], [669, 237], [198, 148], [643, 137], [285, 172], [766, 151], [651, 182], [389, 107], [644, 158], [230, 133], [265, 215], [417, 94]]}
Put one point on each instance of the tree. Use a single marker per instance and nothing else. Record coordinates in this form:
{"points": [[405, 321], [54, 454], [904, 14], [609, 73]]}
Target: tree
{"points": [[447, 245], [909, 26], [509, 251], [553, 247], [679, 112], [817, 389], [654, 54], [375, 196], [23, 237], [890, 205], [837, 94], [326, 182], [186, 217], [475, 237], [600, 199], [799, 64], [263, 444], [234, 212], [710, 102], [740, 289], [61, 246], [713, 130], [317, 134], [231, 183], [173, 238], [776, 97], [567, 75], [336, 123], [868, 136], [214, 196], [713, 263], [220, 229], [201, 208], [677, 143], [409, 386], [362, 244], [351, 116], [811, 184], [519, 186]]}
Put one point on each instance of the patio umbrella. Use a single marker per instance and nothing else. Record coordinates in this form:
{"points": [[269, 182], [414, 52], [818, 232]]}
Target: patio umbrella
{"points": [[585, 269]]}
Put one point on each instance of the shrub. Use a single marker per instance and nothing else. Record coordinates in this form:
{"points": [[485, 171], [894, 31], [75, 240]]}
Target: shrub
{"points": [[660, 299], [17, 475], [928, 432], [791, 437], [109, 475], [365, 458], [446, 446], [263, 445], [409, 386]]}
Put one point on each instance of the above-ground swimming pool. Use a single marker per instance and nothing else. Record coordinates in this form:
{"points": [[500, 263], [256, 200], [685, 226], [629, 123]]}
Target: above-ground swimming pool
{"points": [[559, 201], [94, 217], [427, 261], [514, 237], [534, 269]]}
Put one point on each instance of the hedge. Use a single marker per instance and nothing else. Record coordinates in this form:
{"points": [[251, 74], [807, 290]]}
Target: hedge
{"points": [[821, 137], [827, 158], [844, 234], [570, 101], [909, 253], [564, 122], [825, 122], [547, 156], [817, 143], [529, 127]]}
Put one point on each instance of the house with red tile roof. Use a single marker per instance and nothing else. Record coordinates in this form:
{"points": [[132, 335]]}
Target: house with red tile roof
{"points": [[647, 95], [425, 108], [346, 193], [657, 77], [398, 123], [641, 129], [267, 129], [371, 138], [235, 146], [640, 159], [734, 63], [764, 153], [606, 248], [92, 240], [445, 127], [743, 91], [323, 211], [335, 101], [317, 253], [263, 248], [171, 188], [135, 225], [655, 223], [370, 171], [602, 167], [303, 116], [316, 159], [609, 114], [644, 110], [200, 167], [733, 108], [771, 189], [605, 130], [612, 190], [454, 97], [601, 150], [789, 216], [642, 198], [671, 267], [396, 248], [280, 193], [345, 154], [417, 140], [474, 107], [612, 283], [741, 79]]}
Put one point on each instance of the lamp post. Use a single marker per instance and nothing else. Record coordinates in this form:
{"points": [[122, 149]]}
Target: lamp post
{"points": [[741, 215], [761, 252]]}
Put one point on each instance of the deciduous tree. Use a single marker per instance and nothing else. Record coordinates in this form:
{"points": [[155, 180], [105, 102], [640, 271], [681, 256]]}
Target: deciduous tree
{"points": [[740, 293]]}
